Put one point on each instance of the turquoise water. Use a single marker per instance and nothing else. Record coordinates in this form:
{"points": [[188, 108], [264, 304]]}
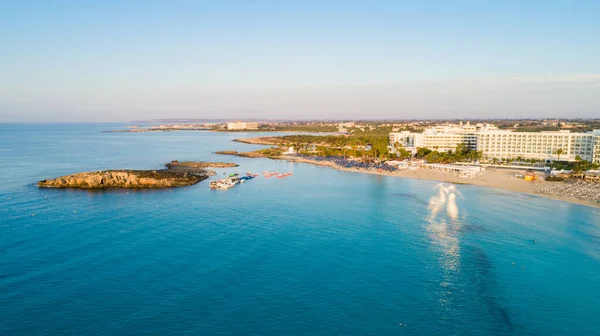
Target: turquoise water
{"points": [[322, 252]]}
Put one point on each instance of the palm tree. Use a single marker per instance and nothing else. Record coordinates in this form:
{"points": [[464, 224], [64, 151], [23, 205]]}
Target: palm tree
{"points": [[558, 153]]}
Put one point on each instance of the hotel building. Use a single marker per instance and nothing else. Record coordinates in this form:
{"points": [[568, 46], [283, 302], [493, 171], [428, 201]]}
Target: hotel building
{"points": [[242, 125], [537, 145], [500, 144], [441, 138]]}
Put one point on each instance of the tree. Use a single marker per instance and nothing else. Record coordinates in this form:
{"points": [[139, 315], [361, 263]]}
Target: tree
{"points": [[422, 152], [401, 152], [558, 152]]}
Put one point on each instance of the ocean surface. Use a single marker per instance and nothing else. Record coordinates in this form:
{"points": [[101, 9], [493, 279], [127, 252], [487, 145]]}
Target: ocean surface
{"points": [[322, 252]]}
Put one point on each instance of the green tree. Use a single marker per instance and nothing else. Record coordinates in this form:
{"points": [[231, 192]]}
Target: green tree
{"points": [[558, 153], [423, 152]]}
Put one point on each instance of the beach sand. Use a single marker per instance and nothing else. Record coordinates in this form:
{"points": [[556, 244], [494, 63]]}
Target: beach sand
{"points": [[493, 178]]}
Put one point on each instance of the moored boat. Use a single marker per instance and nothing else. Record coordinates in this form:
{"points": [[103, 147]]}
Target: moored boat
{"points": [[231, 181]]}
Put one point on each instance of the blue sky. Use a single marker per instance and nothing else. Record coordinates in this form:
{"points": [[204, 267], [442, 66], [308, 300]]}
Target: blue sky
{"points": [[123, 60]]}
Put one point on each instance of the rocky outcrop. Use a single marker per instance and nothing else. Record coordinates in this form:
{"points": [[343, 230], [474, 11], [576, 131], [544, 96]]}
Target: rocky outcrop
{"points": [[255, 154], [260, 140], [199, 164], [177, 174], [125, 179]]}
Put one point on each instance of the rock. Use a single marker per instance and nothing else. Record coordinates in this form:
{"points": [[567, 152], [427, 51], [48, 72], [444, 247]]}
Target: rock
{"points": [[126, 179], [177, 174], [199, 164]]}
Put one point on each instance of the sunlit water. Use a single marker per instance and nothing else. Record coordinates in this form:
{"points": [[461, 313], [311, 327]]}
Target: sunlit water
{"points": [[322, 252]]}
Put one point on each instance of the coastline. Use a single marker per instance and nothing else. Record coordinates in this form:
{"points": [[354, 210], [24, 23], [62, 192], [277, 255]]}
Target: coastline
{"points": [[502, 179], [491, 178]]}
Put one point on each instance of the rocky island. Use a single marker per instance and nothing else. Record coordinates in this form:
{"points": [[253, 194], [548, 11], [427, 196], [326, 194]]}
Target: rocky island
{"points": [[177, 174]]}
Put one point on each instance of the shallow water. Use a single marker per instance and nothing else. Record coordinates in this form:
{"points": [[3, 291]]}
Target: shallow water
{"points": [[319, 253]]}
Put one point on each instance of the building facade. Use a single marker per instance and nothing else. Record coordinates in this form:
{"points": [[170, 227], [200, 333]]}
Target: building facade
{"points": [[596, 155], [242, 125], [537, 145], [499, 144], [441, 138]]}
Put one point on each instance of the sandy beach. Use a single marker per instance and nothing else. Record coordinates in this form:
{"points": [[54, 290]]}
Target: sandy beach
{"points": [[493, 178]]}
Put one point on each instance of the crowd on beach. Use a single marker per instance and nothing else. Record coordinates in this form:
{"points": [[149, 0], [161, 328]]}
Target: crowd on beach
{"points": [[573, 188], [350, 164]]}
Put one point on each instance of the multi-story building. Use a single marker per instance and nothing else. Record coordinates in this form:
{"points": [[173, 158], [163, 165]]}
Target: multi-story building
{"points": [[441, 138], [499, 144], [596, 155], [242, 125], [562, 145]]}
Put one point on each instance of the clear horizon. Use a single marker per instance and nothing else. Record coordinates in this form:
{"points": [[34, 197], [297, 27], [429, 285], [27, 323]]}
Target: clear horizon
{"points": [[116, 62]]}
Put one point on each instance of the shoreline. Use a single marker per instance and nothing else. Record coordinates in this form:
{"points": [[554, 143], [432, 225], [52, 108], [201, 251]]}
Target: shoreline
{"points": [[491, 178], [501, 179]]}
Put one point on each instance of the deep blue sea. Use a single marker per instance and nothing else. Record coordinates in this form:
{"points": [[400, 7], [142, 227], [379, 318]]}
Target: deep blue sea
{"points": [[322, 252]]}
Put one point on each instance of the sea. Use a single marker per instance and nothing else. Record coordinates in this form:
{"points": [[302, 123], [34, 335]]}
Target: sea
{"points": [[321, 252]]}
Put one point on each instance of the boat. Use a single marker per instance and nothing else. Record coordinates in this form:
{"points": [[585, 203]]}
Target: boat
{"points": [[230, 181]]}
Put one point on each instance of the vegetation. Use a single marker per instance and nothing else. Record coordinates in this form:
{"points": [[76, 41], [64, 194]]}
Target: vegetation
{"points": [[362, 144], [461, 154], [298, 127], [271, 152], [373, 145], [577, 166], [558, 153]]}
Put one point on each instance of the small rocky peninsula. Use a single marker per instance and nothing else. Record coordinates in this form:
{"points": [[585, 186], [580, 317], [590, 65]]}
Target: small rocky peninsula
{"points": [[177, 174]]}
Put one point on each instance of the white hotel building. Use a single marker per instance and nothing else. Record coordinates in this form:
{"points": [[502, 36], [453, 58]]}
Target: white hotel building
{"points": [[441, 138], [500, 144]]}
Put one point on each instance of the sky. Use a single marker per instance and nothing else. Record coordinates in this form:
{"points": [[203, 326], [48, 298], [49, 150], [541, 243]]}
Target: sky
{"points": [[145, 59]]}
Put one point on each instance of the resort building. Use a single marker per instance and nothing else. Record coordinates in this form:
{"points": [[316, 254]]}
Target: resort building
{"points": [[346, 124], [441, 138], [596, 155], [501, 144], [537, 145], [242, 125]]}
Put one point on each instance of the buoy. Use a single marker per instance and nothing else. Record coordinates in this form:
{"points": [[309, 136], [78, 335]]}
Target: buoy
{"points": [[74, 211], [513, 263]]}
